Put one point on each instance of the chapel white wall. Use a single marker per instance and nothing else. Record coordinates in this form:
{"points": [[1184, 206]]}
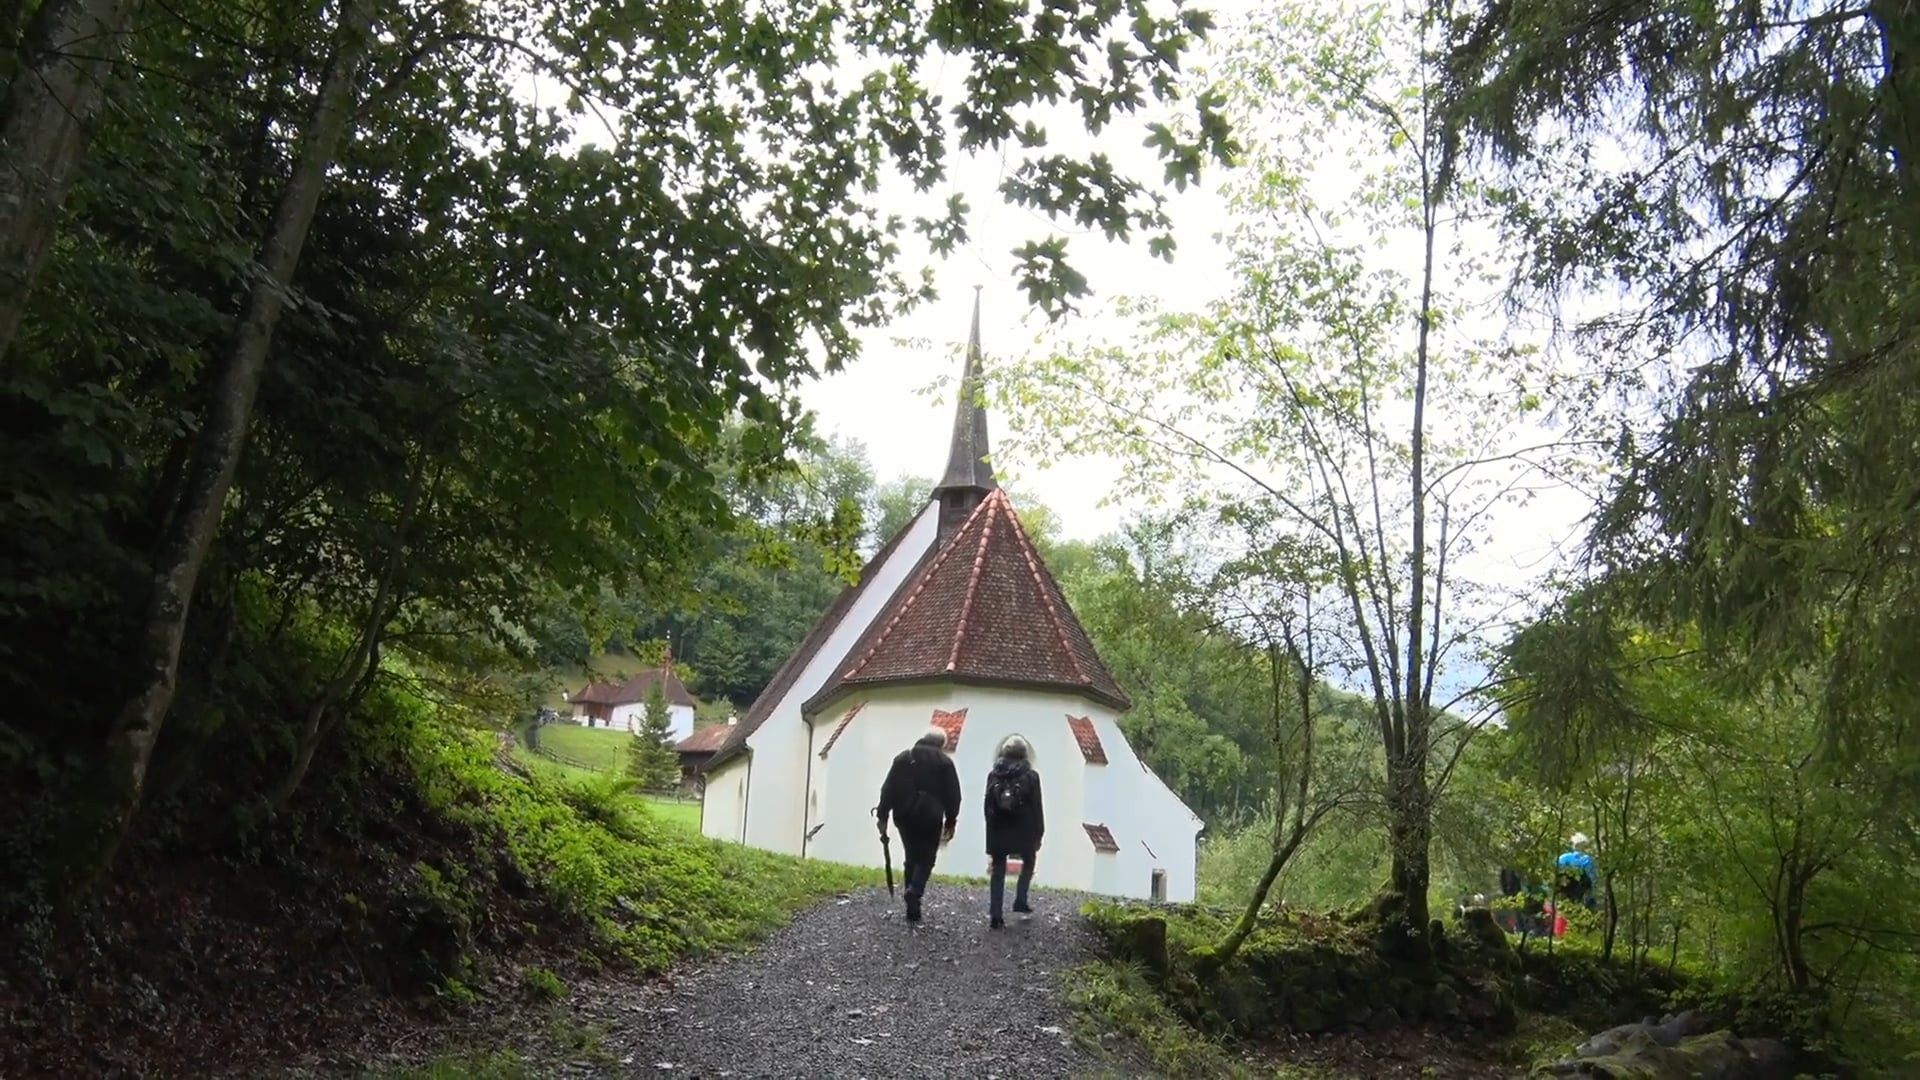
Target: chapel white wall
{"points": [[723, 806], [631, 718], [776, 810], [1134, 804]]}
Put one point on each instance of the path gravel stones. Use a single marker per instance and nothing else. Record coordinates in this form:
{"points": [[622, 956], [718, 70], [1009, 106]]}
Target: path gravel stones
{"points": [[850, 989]]}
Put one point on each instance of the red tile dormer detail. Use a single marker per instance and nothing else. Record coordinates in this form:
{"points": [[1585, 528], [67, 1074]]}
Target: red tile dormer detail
{"points": [[1088, 737], [950, 722], [840, 727]]}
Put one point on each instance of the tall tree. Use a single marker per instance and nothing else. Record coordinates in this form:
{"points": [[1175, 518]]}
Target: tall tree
{"points": [[1722, 197], [650, 756], [59, 71], [1303, 409], [215, 453]]}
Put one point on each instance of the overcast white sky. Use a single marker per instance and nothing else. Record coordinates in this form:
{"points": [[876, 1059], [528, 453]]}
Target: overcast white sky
{"points": [[882, 400]]}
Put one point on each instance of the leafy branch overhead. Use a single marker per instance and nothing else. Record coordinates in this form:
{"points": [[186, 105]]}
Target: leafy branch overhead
{"points": [[348, 333]]}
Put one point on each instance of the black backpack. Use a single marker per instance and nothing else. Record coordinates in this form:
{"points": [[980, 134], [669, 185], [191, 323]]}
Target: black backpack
{"points": [[1007, 794], [921, 806]]}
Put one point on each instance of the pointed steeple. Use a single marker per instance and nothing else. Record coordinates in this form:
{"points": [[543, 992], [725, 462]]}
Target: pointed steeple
{"points": [[969, 475]]}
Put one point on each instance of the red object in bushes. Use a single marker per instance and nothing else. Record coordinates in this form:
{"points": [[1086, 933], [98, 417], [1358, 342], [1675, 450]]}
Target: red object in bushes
{"points": [[1559, 923]]}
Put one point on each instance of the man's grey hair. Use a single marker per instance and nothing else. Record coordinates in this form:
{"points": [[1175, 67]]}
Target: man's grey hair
{"points": [[1015, 747], [935, 736]]}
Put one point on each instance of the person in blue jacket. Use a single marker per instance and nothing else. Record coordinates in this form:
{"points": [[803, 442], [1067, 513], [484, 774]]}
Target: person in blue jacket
{"points": [[1575, 876]]}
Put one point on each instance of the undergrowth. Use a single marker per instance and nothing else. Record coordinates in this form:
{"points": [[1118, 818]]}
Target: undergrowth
{"points": [[651, 891], [420, 862], [1115, 998]]}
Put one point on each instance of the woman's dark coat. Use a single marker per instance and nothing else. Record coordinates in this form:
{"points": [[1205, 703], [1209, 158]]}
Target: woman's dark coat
{"points": [[1021, 833]]}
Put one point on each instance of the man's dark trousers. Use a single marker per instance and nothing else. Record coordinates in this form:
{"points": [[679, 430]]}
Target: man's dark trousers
{"points": [[919, 849]]}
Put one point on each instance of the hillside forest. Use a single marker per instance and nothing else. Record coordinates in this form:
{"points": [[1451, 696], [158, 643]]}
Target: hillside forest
{"points": [[356, 399]]}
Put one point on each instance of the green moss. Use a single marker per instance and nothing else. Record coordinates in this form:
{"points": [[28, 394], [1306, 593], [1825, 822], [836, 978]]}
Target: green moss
{"points": [[1116, 1001], [1714, 1054], [1540, 1038], [503, 1065], [1306, 972]]}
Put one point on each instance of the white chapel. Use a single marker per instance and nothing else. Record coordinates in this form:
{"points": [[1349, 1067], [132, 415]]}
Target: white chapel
{"points": [[955, 622]]}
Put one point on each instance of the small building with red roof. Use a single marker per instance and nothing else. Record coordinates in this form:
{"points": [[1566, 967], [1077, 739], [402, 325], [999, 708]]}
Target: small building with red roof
{"points": [[622, 703], [957, 623]]}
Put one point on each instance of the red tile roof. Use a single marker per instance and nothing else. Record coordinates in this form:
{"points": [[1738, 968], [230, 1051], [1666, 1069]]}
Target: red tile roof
{"points": [[950, 722], [1088, 737], [840, 727], [1101, 836], [985, 610], [632, 691], [704, 741]]}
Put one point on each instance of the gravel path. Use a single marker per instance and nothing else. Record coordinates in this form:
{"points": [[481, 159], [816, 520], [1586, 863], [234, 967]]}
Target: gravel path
{"points": [[851, 989]]}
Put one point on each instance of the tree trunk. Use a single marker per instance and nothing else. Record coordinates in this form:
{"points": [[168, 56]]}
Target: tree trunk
{"points": [[45, 120], [1409, 802], [184, 545], [358, 670], [1792, 931], [1410, 836], [1229, 946], [1287, 837], [1612, 924]]}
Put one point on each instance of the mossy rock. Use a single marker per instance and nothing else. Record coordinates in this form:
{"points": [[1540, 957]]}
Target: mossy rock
{"points": [[1145, 940], [1487, 943], [1713, 1056]]}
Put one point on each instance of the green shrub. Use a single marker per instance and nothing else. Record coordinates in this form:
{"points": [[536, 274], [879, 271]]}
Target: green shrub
{"points": [[650, 890], [544, 983]]}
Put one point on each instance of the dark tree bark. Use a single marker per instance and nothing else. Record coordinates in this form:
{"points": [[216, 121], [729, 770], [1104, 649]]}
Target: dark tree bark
{"points": [[189, 535], [46, 118]]}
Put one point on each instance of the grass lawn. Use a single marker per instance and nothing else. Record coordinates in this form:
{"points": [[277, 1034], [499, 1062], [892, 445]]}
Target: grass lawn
{"points": [[685, 814], [598, 748], [554, 768]]}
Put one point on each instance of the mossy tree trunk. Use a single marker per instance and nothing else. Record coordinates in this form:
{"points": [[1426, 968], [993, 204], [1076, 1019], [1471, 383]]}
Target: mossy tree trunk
{"points": [[1293, 819]]}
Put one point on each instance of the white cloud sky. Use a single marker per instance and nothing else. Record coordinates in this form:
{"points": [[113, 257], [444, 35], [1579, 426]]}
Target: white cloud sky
{"points": [[881, 400]]}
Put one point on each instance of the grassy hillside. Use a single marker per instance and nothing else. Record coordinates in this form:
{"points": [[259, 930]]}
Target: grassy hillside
{"points": [[597, 748], [429, 870]]}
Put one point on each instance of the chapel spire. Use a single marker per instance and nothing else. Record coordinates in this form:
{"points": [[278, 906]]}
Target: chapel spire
{"points": [[969, 475]]}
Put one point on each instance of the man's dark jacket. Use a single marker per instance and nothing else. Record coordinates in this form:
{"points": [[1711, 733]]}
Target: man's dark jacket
{"points": [[921, 769]]}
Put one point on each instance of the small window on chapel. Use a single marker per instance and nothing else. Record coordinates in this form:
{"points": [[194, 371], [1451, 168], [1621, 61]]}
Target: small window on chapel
{"points": [[1159, 891]]}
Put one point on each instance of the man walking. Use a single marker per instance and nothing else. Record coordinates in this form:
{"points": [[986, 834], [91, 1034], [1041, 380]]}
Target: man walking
{"points": [[921, 793], [1015, 824]]}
